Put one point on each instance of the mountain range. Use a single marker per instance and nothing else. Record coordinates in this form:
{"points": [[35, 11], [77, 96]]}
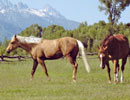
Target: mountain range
{"points": [[16, 17]]}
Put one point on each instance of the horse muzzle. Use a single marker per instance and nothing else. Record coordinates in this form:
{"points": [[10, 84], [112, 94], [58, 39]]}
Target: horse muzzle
{"points": [[7, 51]]}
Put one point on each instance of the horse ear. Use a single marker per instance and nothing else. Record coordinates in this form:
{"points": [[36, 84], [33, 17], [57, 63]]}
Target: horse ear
{"points": [[105, 47], [15, 35]]}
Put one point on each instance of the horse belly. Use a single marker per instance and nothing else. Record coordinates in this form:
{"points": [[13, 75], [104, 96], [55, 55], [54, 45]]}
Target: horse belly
{"points": [[53, 56]]}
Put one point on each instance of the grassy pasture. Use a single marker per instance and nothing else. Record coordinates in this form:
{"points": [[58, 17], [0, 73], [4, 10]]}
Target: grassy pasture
{"points": [[15, 82]]}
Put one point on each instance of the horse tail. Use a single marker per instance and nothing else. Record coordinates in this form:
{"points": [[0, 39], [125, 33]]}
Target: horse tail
{"points": [[81, 49]]}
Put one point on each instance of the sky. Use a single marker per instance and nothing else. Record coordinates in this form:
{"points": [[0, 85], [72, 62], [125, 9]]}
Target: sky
{"points": [[77, 10]]}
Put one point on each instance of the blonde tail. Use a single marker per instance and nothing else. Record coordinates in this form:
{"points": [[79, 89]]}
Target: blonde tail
{"points": [[81, 48]]}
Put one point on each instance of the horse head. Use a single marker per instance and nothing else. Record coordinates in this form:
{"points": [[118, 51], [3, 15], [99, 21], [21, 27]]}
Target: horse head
{"points": [[103, 55], [14, 43]]}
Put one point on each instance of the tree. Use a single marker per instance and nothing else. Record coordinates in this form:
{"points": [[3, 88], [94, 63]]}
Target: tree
{"points": [[52, 32], [33, 30], [6, 42], [113, 9], [0, 43], [83, 24]]}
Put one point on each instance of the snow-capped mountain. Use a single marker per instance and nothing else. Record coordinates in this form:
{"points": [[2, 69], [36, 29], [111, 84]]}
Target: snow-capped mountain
{"points": [[16, 17]]}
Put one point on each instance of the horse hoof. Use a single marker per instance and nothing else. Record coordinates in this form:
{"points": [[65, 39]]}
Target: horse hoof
{"points": [[74, 81], [31, 79], [109, 82], [48, 79], [115, 82]]}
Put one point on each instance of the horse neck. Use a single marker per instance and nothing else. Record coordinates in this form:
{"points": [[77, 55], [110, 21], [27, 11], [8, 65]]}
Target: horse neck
{"points": [[27, 46]]}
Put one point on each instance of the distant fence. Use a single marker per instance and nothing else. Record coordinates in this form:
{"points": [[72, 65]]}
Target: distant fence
{"points": [[2, 57], [91, 54]]}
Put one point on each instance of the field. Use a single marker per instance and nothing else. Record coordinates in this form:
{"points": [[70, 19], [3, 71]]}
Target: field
{"points": [[15, 82]]}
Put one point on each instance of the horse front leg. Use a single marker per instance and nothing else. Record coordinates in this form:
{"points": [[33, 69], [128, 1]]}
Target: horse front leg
{"points": [[122, 69], [35, 63], [75, 67], [43, 67], [117, 68], [108, 70]]}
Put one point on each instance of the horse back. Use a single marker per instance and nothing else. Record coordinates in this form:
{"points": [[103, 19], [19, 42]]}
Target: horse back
{"points": [[68, 45]]}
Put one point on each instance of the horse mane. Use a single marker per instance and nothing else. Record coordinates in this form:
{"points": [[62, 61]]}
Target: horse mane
{"points": [[30, 39], [106, 38]]}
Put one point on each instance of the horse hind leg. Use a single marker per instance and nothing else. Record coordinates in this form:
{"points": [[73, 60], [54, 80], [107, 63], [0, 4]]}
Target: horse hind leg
{"points": [[44, 67], [75, 66], [122, 69], [116, 67]]}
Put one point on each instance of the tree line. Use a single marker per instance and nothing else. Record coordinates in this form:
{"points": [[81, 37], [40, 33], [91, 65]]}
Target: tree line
{"points": [[90, 35]]}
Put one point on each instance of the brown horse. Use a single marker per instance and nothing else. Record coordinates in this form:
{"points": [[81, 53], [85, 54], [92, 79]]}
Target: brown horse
{"points": [[114, 47], [41, 50]]}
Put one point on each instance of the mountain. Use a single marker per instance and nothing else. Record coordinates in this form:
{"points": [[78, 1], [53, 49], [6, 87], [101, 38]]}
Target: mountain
{"points": [[16, 17]]}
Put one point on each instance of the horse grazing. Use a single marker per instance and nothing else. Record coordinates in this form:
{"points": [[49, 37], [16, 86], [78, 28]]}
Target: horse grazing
{"points": [[41, 50], [114, 47]]}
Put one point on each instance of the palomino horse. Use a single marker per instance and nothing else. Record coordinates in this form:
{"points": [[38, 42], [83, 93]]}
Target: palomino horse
{"points": [[41, 50], [114, 47]]}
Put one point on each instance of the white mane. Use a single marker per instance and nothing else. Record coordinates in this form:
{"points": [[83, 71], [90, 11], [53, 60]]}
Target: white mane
{"points": [[30, 39]]}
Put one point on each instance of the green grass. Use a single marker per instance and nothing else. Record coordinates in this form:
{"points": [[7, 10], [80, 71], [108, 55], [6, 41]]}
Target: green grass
{"points": [[15, 82]]}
